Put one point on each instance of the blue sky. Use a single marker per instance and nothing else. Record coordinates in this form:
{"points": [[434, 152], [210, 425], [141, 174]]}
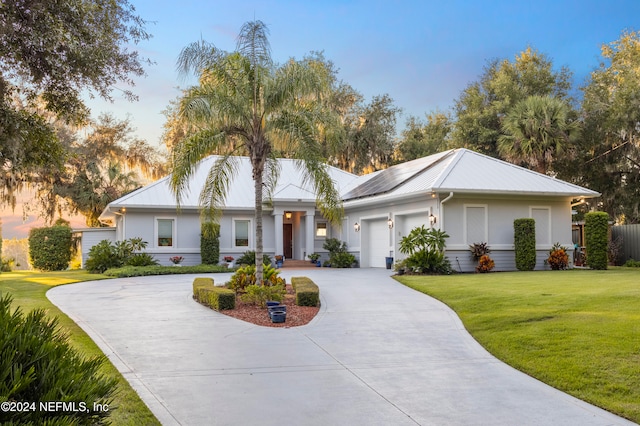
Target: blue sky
{"points": [[422, 53]]}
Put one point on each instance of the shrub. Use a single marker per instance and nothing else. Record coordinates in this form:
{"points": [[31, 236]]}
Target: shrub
{"points": [[259, 294], [51, 248], [632, 263], [558, 257], [249, 258], [141, 259], [596, 229], [37, 363], [485, 264], [246, 276], [103, 256], [524, 233], [342, 260], [141, 271], [217, 298], [338, 255], [307, 292], [425, 248], [210, 243], [106, 255], [478, 250]]}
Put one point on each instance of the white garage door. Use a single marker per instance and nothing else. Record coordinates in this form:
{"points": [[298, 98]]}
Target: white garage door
{"points": [[378, 243]]}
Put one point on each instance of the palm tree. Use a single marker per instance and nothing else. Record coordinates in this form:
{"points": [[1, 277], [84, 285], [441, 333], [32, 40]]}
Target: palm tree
{"points": [[536, 130], [245, 104]]}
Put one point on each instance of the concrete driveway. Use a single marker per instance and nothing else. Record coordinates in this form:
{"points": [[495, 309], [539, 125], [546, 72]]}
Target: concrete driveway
{"points": [[378, 353]]}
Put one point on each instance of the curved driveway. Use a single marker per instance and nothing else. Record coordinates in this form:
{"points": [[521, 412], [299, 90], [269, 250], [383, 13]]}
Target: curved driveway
{"points": [[378, 353]]}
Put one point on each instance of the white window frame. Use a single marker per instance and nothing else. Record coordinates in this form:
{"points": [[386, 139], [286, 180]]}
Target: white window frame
{"points": [[174, 232], [326, 230], [465, 223], [250, 237], [549, 241]]}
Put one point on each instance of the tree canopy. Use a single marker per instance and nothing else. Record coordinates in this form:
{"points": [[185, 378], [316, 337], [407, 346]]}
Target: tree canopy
{"points": [[50, 52]]}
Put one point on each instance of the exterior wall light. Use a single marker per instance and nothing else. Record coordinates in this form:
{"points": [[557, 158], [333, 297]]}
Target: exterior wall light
{"points": [[432, 219], [356, 227], [390, 223], [288, 215]]}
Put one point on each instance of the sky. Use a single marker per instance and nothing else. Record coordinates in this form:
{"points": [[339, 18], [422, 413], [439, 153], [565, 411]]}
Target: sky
{"points": [[422, 53]]}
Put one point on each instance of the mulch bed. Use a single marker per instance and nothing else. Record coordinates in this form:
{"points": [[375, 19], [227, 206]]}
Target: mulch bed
{"points": [[296, 315]]}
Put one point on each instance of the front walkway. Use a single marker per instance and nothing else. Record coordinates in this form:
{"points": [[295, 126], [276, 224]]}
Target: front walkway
{"points": [[378, 353]]}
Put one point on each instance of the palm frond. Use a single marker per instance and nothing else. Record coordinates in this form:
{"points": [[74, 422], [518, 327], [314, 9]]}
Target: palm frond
{"points": [[196, 57], [253, 42], [216, 187], [270, 178]]}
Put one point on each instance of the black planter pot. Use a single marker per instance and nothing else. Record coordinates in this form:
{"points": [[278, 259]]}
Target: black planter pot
{"points": [[278, 316]]}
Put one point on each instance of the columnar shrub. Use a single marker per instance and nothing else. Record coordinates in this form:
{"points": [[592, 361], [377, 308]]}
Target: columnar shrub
{"points": [[524, 233], [37, 364], [596, 228], [50, 248], [210, 243]]}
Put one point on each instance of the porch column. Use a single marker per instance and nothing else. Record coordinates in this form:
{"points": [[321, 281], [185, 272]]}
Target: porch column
{"points": [[310, 234], [278, 234]]}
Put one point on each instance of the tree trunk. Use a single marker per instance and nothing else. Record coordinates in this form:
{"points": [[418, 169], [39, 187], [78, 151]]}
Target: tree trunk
{"points": [[257, 180]]}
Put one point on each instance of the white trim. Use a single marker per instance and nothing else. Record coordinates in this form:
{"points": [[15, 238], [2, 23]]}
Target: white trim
{"points": [[486, 222], [174, 232], [250, 233]]}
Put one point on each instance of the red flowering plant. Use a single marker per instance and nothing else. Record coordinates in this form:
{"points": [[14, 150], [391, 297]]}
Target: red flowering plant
{"points": [[176, 260]]}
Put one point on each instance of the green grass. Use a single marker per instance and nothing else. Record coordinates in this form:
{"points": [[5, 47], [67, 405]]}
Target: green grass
{"points": [[28, 289], [578, 331]]}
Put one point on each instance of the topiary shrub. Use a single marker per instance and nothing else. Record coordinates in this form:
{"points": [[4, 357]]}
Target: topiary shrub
{"points": [[524, 234], [51, 248], [307, 292], [217, 298], [596, 233], [210, 243], [37, 364]]}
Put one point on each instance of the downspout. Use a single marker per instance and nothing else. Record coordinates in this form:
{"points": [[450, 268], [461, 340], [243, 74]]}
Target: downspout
{"points": [[450, 196]]}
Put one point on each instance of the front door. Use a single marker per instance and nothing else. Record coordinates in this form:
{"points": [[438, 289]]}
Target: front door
{"points": [[287, 235]]}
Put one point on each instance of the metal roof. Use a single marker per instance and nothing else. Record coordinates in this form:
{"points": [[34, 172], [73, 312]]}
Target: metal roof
{"points": [[458, 170], [465, 171], [290, 186]]}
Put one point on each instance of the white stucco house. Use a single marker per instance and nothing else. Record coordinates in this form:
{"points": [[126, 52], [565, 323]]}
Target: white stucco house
{"points": [[472, 197]]}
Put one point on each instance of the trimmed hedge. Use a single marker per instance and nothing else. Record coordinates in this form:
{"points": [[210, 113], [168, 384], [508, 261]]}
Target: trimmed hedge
{"points": [[142, 271], [307, 292], [50, 249], [596, 234], [210, 243], [217, 298], [524, 235]]}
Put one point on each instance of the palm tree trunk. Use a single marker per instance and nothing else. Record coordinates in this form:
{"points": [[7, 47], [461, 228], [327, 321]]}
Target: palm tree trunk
{"points": [[257, 179]]}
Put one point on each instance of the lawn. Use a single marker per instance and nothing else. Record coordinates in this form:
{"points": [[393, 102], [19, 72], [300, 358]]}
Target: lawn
{"points": [[578, 330], [28, 290]]}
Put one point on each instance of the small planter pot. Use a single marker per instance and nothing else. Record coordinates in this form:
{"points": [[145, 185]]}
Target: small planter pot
{"points": [[272, 303], [318, 264], [177, 264], [278, 316]]}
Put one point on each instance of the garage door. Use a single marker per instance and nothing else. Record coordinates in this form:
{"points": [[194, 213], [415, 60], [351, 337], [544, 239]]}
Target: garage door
{"points": [[378, 243]]}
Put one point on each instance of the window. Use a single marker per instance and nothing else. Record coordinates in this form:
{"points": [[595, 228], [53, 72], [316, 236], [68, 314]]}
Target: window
{"points": [[165, 228], [542, 216], [241, 235], [476, 224], [321, 229]]}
